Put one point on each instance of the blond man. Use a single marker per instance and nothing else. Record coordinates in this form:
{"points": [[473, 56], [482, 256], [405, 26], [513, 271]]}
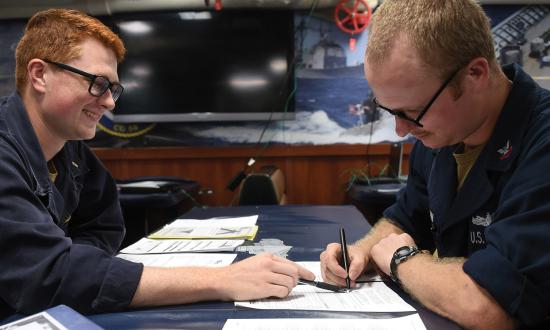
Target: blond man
{"points": [[468, 236]]}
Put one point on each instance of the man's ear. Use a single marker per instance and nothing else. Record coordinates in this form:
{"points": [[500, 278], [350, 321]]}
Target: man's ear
{"points": [[478, 72], [36, 73]]}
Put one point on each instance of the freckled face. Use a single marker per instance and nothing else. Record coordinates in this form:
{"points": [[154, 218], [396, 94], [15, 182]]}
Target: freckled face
{"points": [[70, 112]]}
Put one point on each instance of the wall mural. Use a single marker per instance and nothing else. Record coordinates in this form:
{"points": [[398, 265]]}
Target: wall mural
{"points": [[333, 100]]}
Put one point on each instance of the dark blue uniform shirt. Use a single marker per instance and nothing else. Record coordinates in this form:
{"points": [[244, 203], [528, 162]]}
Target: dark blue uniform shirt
{"points": [[500, 218], [57, 240]]}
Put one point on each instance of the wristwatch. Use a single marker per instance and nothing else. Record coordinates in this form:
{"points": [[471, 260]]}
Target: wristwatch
{"points": [[400, 256]]}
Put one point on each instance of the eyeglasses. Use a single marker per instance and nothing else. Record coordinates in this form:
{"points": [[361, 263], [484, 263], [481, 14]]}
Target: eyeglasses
{"points": [[416, 121], [98, 84]]}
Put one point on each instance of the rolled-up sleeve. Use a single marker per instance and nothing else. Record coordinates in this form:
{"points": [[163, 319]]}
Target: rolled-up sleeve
{"points": [[119, 285]]}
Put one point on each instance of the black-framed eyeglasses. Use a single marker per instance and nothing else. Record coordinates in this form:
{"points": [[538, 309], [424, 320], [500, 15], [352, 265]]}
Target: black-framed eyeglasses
{"points": [[98, 84], [416, 121]]}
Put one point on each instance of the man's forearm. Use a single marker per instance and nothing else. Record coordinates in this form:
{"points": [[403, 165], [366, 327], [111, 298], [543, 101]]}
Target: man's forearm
{"points": [[167, 286], [260, 276], [381, 229], [442, 286]]}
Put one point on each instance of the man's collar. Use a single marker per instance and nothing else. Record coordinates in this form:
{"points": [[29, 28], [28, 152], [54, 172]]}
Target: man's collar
{"points": [[21, 129], [505, 141]]}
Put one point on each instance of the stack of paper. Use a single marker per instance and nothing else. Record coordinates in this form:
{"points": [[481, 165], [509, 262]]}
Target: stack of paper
{"points": [[366, 297], [215, 228], [176, 244], [371, 296], [153, 246]]}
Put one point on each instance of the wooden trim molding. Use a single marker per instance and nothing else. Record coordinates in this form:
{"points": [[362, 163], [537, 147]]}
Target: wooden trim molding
{"points": [[246, 151]]}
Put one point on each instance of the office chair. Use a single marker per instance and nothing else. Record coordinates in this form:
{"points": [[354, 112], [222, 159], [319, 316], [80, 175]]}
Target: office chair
{"points": [[264, 187]]}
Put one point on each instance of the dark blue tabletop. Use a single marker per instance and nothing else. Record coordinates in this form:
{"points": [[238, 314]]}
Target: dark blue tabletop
{"points": [[308, 229]]}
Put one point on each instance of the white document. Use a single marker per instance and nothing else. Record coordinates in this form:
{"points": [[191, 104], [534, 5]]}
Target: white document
{"points": [[366, 297], [213, 228], [206, 232], [181, 259], [39, 321], [412, 322], [247, 221], [147, 246], [315, 268]]}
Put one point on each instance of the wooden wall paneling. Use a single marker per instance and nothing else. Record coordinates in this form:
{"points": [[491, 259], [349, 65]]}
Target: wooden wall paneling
{"points": [[314, 174]]}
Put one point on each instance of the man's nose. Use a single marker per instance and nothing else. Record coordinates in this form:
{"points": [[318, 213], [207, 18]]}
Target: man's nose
{"points": [[106, 100], [402, 126]]}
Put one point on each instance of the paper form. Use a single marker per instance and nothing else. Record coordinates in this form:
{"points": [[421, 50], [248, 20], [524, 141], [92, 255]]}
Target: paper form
{"points": [[247, 221], [181, 259], [365, 297], [315, 268], [412, 322], [207, 232], [147, 246], [213, 228]]}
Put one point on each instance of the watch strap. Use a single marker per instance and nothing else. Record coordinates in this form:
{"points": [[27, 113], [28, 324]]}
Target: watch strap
{"points": [[401, 255]]}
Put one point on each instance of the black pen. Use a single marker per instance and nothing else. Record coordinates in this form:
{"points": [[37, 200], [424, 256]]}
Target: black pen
{"points": [[322, 285], [345, 260]]}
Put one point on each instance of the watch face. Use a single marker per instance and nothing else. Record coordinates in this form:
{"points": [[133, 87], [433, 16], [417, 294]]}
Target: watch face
{"points": [[399, 256], [403, 251]]}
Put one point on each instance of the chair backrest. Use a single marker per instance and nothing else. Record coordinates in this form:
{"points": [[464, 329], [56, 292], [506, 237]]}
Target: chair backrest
{"points": [[264, 187]]}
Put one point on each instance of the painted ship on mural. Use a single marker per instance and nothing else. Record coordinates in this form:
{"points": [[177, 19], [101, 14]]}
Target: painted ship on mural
{"points": [[327, 60], [327, 82]]}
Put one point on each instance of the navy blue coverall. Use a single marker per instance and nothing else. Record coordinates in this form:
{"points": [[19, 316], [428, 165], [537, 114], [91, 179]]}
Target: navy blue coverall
{"points": [[57, 240], [500, 218]]}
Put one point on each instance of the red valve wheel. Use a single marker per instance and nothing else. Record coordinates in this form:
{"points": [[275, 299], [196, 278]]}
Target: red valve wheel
{"points": [[352, 16]]}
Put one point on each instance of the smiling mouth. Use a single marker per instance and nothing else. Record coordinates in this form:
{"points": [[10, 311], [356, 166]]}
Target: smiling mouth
{"points": [[92, 115]]}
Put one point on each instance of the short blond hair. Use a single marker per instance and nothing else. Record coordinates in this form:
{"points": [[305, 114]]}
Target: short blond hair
{"points": [[446, 34], [56, 35]]}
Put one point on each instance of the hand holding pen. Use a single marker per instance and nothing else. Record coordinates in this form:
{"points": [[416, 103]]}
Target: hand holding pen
{"points": [[333, 268], [345, 259]]}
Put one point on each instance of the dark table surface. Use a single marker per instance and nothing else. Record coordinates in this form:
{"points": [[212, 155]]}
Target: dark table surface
{"points": [[308, 229]]}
